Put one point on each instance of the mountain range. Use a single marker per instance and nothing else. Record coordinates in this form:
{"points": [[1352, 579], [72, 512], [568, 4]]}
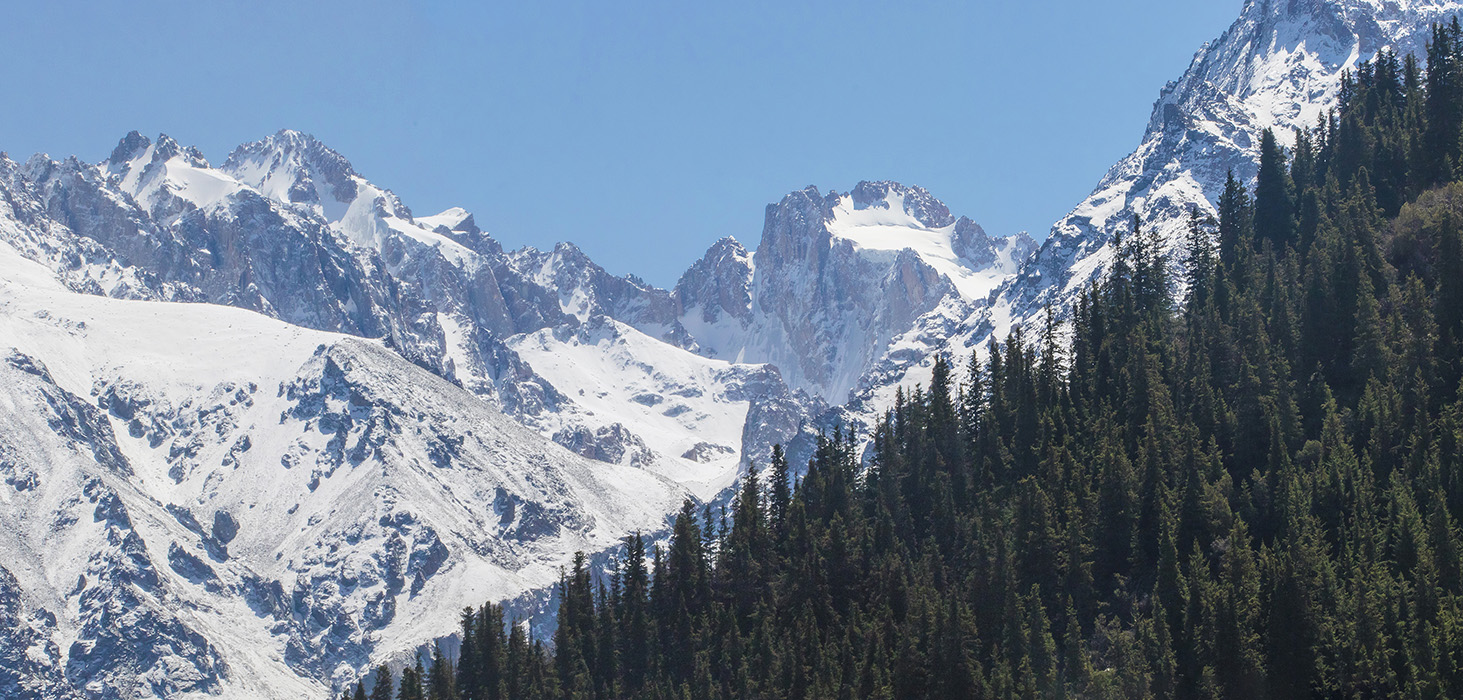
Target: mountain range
{"points": [[262, 426]]}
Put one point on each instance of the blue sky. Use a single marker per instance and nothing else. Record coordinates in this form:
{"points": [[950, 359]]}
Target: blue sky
{"points": [[641, 131]]}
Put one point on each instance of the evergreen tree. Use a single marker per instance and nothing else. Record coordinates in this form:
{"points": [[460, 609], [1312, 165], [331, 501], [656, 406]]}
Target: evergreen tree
{"points": [[1274, 198], [1252, 494], [382, 684]]}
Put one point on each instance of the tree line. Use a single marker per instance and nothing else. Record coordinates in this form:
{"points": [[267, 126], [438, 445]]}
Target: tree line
{"points": [[1238, 476]]}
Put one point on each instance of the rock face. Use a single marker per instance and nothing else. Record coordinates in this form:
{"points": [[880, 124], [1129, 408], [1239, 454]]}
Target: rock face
{"points": [[719, 284], [29, 666], [837, 279]]}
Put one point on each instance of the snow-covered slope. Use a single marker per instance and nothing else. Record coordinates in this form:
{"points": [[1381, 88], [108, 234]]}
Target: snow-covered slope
{"points": [[386, 454], [672, 412], [288, 228], [1278, 67], [166, 177], [203, 500]]}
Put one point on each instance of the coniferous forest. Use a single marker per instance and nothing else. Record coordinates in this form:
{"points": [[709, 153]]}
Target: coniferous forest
{"points": [[1235, 474]]}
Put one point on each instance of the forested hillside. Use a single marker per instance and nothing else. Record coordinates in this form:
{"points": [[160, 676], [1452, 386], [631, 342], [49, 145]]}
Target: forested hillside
{"points": [[1239, 478]]}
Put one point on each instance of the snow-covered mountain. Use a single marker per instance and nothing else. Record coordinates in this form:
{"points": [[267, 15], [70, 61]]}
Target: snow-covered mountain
{"points": [[391, 347], [366, 411], [203, 500], [838, 278], [1279, 66], [287, 227], [261, 425]]}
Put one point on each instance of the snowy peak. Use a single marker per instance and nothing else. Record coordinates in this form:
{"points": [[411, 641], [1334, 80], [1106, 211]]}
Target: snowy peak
{"points": [[457, 224], [1279, 66], [454, 220], [881, 219], [913, 202], [1282, 60], [296, 168], [889, 217], [299, 172], [137, 150], [837, 278], [166, 177], [131, 145]]}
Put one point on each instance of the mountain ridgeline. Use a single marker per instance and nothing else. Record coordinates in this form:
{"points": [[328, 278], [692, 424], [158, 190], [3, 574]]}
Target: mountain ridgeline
{"points": [[1239, 478]]}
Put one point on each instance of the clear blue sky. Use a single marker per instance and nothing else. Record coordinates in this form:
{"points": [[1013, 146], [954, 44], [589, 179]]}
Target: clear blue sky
{"points": [[642, 131]]}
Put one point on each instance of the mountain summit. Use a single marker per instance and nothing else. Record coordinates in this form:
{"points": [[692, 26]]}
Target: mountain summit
{"points": [[1279, 66], [837, 278]]}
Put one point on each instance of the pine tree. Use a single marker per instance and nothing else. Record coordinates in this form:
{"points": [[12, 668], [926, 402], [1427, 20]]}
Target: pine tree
{"points": [[1274, 197], [1236, 221], [1253, 493], [382, 684]]}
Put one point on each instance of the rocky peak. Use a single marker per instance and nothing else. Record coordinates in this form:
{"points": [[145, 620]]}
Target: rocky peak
{"points": [[290, 146], [38, 167], [969, 241], [168, 149], [165, 148], [793, 229], [131, 146], [912, 200], [838, 278], [584, 290], [296, 168], [135, 146], [719, 283], [727, 247]]}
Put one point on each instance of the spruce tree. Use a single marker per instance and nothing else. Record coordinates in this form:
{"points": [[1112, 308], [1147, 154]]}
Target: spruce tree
{"points": [[382, 684], [1274, 197]]}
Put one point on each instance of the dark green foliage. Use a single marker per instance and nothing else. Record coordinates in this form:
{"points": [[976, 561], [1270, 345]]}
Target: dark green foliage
{"points": [[382, 684], [1252, 492], [1274, 197]]}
